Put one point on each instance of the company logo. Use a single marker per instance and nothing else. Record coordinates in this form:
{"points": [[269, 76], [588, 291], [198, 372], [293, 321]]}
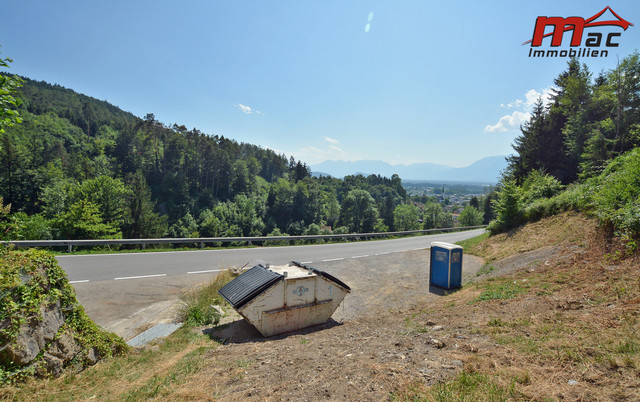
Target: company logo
{"points": [[559, 32], [300, 290]]}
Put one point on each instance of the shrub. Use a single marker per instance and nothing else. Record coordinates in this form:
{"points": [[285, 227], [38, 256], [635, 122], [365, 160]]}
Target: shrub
{"points": [[615, 194], [197, 305]]}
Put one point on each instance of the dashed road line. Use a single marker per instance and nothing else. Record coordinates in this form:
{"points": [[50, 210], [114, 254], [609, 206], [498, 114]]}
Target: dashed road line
{"points": [[333, 259], [307, 262], [360, 256], [138, 277], [385, 253], [81, 281], [205, 272]]}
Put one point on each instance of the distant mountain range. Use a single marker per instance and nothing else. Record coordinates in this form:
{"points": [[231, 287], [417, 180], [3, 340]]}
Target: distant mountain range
{"points": [[486, 170]]}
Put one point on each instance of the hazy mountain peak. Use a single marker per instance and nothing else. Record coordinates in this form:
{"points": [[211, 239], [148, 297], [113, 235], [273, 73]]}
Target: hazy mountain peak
{"points": [[485, 170]]}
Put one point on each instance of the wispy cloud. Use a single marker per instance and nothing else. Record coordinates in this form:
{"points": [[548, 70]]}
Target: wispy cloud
{"points": [[247, 109], [512, 122], [331, 140]]}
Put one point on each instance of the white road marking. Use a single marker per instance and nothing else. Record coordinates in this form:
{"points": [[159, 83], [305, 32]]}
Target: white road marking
{"points": [[416, 249], [333, 259], [82, 281], [385, 253], [139, 277], [206, 272], [307, 262], [360, 256]]}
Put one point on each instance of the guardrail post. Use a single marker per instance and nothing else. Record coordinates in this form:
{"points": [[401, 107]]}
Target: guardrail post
{"points": [[143, 246], [201, 244], [248, 242], [70, 248]]}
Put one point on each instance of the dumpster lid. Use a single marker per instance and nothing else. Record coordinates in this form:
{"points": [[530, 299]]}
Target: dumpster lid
{"points": [[251, 283], [448, 246], [323, 274]]}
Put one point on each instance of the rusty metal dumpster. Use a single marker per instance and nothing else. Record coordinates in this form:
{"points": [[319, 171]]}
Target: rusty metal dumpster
{"points": [[278, 299]]}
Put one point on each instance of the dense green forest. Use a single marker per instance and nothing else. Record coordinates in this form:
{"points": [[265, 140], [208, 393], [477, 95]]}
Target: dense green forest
{"points": [[76, 168], [579, 152]]}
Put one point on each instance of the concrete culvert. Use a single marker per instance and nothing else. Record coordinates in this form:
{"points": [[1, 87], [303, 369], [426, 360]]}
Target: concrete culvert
{"points": [[278, 299]]}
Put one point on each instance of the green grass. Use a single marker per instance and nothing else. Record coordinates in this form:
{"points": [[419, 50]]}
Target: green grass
{"points": [[466, 386], [469, 244], [487, 268], [500, 290], [473, 386], [197, 307]]}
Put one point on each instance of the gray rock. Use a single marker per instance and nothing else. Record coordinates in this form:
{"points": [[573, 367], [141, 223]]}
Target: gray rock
{"points": [[53, 364], [92, 357], [65, 347], [34, 334]]}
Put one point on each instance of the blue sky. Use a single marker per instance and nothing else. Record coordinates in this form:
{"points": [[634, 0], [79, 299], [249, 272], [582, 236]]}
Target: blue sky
{"points": [[403, 82]]}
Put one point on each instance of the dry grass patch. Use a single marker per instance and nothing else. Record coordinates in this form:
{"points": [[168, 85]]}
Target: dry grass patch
{"points": [[145, 373], [567, 328], [568, 227]]}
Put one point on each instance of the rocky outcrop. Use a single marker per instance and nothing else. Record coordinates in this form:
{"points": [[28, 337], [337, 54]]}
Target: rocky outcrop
{"points": [[33, 335], [43, 328]]}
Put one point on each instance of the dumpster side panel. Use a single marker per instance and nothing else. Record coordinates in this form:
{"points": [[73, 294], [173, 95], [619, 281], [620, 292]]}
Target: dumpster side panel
{"points": [[270, 299], [300, 291], [294, 318]]}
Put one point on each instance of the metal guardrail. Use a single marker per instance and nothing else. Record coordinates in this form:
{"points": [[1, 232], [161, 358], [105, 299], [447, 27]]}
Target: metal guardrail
{"points": [[208, 240]]}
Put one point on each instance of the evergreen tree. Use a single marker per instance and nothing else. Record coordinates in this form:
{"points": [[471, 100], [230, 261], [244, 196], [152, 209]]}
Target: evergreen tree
{"points": [[141, 221]]}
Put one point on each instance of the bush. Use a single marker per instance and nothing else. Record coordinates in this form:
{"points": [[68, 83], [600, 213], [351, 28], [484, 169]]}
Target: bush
{"points": [[508, 208], [276, 232], [470, 216], [197, 305], [535, 199], [615, 194]]}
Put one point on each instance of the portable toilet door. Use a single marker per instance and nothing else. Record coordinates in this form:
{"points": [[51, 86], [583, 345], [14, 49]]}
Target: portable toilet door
{"points": [[445, 265]]}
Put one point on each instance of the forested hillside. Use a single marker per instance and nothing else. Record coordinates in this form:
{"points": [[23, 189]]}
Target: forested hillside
{"points": [[77, 168], [580, 151]]}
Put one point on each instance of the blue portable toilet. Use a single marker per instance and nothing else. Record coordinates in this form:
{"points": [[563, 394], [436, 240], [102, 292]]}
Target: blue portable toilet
{"points": [[445, 266]]}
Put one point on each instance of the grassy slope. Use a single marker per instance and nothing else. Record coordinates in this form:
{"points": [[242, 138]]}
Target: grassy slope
{"points": [[563, 326]]}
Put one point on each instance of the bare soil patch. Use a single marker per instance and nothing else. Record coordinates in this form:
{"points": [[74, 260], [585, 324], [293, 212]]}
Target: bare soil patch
{"points": [[562, 332]]}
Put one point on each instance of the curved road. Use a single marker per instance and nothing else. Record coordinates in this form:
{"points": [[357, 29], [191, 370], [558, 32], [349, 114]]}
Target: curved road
{"points": [[137, 266], [128, 293]]}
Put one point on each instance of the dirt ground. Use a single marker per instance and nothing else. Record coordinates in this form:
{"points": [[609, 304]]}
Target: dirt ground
{"points": [[363, 353], [570, 331]]}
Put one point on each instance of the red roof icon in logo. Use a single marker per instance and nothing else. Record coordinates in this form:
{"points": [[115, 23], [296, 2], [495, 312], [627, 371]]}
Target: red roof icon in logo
{"points": [[589, 22]]}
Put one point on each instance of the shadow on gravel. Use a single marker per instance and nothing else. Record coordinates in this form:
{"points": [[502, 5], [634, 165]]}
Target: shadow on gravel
{"points": [[440, 291], [241, 331]]}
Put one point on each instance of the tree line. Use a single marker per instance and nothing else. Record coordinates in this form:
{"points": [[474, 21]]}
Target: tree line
{"points": [[579, 151], [587, 122], [76, 167]]}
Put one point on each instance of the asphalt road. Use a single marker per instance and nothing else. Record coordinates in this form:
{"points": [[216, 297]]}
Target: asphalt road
{"points": [[140, 266], [128, 293]]}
